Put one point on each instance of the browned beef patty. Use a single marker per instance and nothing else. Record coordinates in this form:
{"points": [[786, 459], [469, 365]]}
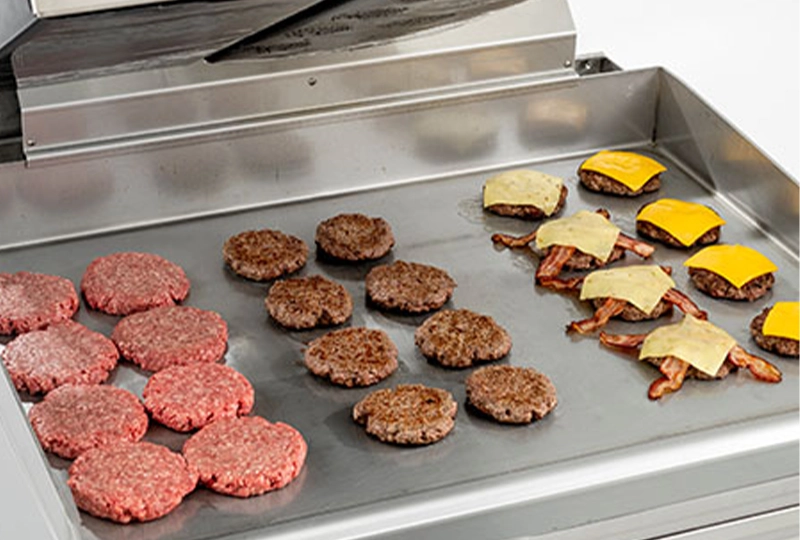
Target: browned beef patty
{"points": [[409, 414], [715, 285], [528, 211], [461, 338], [633, 314], [655, 232], [352, 356], [584, 261], [409, 287], [354, 237], [510, 394], [265, 254], [308, 302], [778, 345], [694, 373], [601, 183]]}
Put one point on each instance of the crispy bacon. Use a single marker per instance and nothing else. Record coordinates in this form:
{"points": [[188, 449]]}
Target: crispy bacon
{"points": [[551, 266], [610, 308], [603, 212], [674, 371], [622, 341], [513, 241], [642, 249], [684, 303], [760, 368]]}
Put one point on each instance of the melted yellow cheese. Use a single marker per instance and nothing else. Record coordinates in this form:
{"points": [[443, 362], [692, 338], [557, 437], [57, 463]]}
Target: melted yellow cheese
{"points": [[738, 264], [523, 187], [627, 168], [684, 220], [588, 231], [783, 320], [697, 342], [641, 285]]}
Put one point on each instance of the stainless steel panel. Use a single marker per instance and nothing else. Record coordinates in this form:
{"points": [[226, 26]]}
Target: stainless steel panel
{"points": [[52, 8]]}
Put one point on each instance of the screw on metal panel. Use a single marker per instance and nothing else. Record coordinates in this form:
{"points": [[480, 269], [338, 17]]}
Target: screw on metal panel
{"points": [[312, 81], [31, 141], [567, 63]]}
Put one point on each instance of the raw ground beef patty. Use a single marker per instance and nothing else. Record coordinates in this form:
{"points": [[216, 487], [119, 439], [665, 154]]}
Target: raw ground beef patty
{"points": [[73, 419], [123, 283], [30, 301], [410, 414], [184, 398], [265, 254], [510, 394], [130, 481], [246, 456], [352, 356], [354, 237], [409, 287], [64, 353], [459, 338], [171, 336], [307, 302]]}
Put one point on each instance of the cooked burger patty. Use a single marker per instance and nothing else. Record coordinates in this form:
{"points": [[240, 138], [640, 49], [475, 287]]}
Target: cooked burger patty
{"points": [[409, 287], [715, 285], [352, 356], [510, 394], [633, 314], [354, 237], [308, 302], [584, 261], [601, 183], [655, 232], [461, 338], [528, 211], [779, 345], [265, 254]]}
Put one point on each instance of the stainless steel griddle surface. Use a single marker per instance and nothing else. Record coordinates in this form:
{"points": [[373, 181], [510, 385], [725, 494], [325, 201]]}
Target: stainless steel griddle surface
{"points": [[603, 403]]}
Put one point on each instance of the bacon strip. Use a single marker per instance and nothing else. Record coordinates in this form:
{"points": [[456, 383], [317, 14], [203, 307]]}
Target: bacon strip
{"points": [[760, 368], [674, 371], [684, 303], [513, 241], [603, 212], [551, 266], [642, 249], [562, 285], [610, 308], [622, 341]]}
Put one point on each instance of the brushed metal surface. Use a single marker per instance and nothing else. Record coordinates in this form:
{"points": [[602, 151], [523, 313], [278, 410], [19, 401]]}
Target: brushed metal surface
{"points": [[603, 419], [52, 8]]}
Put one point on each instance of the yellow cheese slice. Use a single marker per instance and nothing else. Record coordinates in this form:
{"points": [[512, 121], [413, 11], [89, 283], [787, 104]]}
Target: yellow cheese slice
{"points": [[588, 231], [641, 285], [783, 320], [523, 187], [684, 220], [738, 264], [626, 168], [697, 342]]}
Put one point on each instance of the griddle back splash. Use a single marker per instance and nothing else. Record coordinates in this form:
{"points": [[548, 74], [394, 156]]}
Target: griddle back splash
{"points": [[337, 25]]}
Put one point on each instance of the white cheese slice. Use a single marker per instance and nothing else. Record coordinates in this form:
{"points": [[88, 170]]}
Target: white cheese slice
{"points": [[697, 342], [523, 187], [589, 232], [641, 285]]}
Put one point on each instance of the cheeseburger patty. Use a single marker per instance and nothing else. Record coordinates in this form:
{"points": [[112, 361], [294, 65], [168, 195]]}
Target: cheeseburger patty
{"points": [[595, 181], [715, 285]]}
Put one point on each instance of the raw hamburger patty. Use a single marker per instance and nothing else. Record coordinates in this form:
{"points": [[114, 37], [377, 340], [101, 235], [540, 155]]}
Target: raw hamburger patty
{"points": [[409, 287], [184, 398], [461, 338], [123, 283], [528, 211], [73, 419], [30, 301], [354, 237], [715, 285], [352, 356], [407, 414], [171, 336], [246, 456], [130, 481], [595, 181], [779, 345], [308, 302], [64, 353], [633, 314], [655, 232], [510, 394], [265, 254]]}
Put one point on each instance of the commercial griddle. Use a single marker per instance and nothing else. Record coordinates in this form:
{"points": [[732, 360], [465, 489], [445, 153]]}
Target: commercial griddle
{"points": [[245, 114]]}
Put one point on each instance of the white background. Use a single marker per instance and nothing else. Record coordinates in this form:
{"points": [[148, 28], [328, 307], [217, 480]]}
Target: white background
{"points": [[742, 56]]}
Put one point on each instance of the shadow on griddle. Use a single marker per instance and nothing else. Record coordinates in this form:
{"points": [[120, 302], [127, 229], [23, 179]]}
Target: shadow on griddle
{"points": [[402, 318], [349, 271]]}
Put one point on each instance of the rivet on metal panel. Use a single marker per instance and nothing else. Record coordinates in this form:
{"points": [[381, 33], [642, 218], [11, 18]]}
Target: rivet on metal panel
{"points": [[567, 63], [312, 81], [30, 141]]}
